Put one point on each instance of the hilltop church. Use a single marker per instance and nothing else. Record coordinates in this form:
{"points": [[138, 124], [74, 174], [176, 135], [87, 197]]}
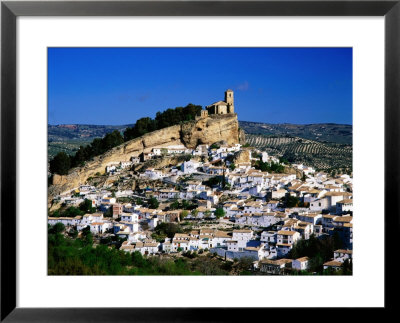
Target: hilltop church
{"points": [[220, 107]]}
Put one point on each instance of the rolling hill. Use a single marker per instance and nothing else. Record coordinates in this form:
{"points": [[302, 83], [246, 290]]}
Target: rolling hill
{"points": [[69, 137], [321, 132], [320, 155], [323, 146]]}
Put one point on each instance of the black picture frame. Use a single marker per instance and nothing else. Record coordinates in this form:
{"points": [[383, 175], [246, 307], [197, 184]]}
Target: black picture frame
{"points": [[10, 10]]}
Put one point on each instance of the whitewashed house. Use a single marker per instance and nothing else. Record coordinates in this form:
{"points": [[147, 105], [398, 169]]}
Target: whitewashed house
{"points": [[300, 263], [242, 237]]}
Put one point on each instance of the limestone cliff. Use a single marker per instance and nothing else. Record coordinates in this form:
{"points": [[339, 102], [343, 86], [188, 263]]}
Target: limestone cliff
{"points": [[242, 156], [205, 130], [242, 137]]}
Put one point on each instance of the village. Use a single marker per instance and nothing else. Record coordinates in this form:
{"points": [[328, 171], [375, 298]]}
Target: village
{"points": [[229, 200], [232, 210]]}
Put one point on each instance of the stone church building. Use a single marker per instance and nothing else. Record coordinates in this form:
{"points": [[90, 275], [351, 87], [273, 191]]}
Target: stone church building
{"points": [[222, 107]]}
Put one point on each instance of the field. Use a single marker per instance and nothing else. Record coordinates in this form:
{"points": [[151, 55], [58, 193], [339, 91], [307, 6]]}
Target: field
{"points": [[321, 132], [322, 156]]}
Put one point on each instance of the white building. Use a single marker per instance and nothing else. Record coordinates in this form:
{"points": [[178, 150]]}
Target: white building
{"points": [[242, 237], [300, 263], [189, 167]]}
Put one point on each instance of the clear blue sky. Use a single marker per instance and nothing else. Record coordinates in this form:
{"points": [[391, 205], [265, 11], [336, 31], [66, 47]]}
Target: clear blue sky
{"points": [[274, 85]]}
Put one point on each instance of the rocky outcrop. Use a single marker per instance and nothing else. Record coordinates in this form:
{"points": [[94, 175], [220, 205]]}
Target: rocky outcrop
{"points": [[211, 129], [191, 134], [243, 156], [242, 136]]}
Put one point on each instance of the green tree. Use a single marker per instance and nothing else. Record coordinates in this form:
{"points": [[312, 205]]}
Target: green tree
{"points": [[291, 201], [174, 205], [72, 212], [73, 233], [60, 164], [213, 181], [168, 229], [219, 212], [183, 214], [153, 203], [347, 267], [86, 206], [138, 260], [58, 228], [207, 214]]}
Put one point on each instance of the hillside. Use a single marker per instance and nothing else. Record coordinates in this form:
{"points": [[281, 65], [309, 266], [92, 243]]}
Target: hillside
{"points": [[192, 133], [68, 138], [321, 132], [320, 155]]}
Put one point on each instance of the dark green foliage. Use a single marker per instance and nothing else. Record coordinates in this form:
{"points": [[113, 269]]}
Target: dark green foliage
{"points": [[291, 201], [167, 229], [209, 266], [189, 254], [318, 250], [184, 204], [219, 212], [174, 205], [70, 212], [60, 164], [213, 181], [214, 146], [97, 147], [70, 138], [86, 206], [73, 233], [142, 126], [347, 267], [269, 167], [244, 263], [57, 228], [283, 160], [164, 119], [153, 203]]}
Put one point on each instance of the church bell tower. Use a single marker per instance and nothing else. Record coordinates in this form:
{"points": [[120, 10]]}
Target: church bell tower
{"points": [[229, 101]]}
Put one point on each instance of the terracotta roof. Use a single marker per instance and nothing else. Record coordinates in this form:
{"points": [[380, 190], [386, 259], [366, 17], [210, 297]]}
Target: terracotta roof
{"points": [[333, 263], [303, 259], [286, 233], [344, 251]]}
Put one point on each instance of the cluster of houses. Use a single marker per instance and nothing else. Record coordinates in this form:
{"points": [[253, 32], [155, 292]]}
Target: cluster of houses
{"points": [[253, 200], [284, 265]]}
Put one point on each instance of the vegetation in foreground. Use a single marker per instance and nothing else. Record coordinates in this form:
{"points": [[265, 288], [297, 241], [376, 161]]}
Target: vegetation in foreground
{"points": [[69, 254], [73, 254]]}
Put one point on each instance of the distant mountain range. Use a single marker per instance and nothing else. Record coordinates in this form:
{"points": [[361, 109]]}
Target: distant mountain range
{"points": [[68, 138]]}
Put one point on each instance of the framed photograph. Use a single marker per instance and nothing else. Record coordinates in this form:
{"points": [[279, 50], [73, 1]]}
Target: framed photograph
{"points": [[172, 160]]}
